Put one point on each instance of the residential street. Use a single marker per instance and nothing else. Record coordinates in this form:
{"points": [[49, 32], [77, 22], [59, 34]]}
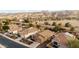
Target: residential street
{"points": [[10, 44]]}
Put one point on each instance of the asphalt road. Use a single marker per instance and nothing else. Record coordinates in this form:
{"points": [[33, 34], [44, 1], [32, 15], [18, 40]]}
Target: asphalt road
{"points": [[10, 44]]}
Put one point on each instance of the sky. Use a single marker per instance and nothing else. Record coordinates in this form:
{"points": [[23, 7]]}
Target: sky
{"points": [[36, 5]]}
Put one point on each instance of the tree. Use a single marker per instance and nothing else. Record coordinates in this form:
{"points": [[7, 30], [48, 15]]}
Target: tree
{"points": [[46, 23], [45, 19], [26, 21], [5, 22], [72, 29], [31, 25], [46, 28], [14, 19], [5, 27], [77, 37], [0, 27], [60, 24], [56, 28], [38, 26], [73, 43], [67, 24], [54, 24], [36, 23]]}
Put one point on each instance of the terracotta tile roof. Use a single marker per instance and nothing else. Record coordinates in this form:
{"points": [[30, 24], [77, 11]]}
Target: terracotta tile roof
{"points": [[29, 30], [14, 27], [45, 35], [62, 38]]}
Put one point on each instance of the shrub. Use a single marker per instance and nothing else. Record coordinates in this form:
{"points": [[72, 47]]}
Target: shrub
{"points": [[54, 24], [46, 23], [72, 29], [68, 25]]}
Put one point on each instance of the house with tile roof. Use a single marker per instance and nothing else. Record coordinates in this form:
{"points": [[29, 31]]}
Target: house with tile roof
{"points": [[28, 32], [15, 29], [43, 36], [61, 39]]}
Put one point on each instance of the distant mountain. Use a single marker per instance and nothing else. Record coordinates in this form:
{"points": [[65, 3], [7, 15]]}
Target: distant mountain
{"points": [[45, 12]]}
